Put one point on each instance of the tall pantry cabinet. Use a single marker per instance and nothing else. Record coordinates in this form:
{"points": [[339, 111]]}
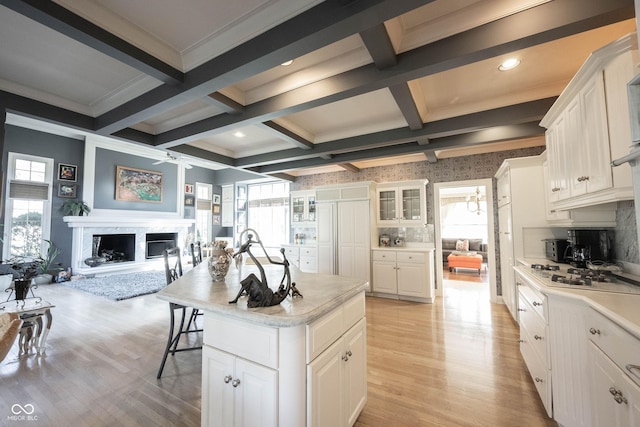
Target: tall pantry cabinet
{"points": [[521, 204], [344, 229]]}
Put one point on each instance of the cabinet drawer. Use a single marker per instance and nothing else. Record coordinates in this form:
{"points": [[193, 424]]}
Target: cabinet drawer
{"points": [[535, 328], [411, 257], [324, 331], [621, 347], [384, 255], [291, 251], [308, 252], [308, 264], [539, 373], [537, 300], [247, 340]]}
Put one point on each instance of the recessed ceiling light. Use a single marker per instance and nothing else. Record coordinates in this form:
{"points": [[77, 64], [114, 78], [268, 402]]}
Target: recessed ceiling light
{"points": [[239, 134], [509, 64], [287, 63]]}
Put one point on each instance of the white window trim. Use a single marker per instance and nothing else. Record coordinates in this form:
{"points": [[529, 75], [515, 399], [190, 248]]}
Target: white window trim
{"points": [[46, 217]]}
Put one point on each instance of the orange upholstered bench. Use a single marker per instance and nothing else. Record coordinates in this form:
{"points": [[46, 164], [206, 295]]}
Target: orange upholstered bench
{"points": [[465, 261]]}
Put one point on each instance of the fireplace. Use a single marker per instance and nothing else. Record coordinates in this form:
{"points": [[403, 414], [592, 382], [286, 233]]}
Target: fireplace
{"points": [[158, 242], [139, 224], [114, 247]]}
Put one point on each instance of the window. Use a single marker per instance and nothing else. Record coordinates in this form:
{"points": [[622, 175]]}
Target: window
{"points": [[28, 209], [203, 212], [268, 212]]}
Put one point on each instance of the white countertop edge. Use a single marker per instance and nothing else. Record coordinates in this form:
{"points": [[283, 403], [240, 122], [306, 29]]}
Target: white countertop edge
{"points": [[403, 248], [584, 295], [254, 315]]}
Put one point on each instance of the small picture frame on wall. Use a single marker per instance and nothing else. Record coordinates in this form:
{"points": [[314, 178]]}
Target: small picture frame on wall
{"points": [[216, 219], [216, 199], [188, 189], [215, 209], [67, 190], [67, 172], [189, 200]]}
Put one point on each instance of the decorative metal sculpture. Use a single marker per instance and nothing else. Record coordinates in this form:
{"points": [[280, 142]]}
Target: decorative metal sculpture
{"points": [[257, 289]]}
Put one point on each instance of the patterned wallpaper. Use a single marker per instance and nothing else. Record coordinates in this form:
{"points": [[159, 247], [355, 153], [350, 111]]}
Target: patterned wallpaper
{"points": [[446, 170], [465, 168]]}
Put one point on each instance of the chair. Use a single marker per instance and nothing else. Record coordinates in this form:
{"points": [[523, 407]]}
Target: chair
{"points": [[173, 270], [196, 253], [10, 325]]}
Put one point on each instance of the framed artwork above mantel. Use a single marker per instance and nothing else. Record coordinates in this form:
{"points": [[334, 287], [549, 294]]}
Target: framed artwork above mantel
{"points": [[138, 185]]}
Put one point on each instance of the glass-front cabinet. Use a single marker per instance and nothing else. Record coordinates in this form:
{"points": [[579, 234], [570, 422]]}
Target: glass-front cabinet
{"points": [[303, 207], [402, 203]]}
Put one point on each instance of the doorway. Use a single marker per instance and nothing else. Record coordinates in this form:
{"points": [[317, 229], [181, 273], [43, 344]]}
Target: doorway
{"points": [[453, 201]]}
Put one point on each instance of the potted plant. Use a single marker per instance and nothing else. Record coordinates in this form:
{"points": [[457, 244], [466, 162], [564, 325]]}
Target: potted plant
{"points": [[24, 270], [75, 207], [46, 264]]}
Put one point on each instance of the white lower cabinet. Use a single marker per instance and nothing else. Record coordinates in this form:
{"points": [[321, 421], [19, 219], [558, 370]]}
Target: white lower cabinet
{"points": [[534, 339], [615, 373], [303, 257], [239, 392], [313, 374], [403, 274], [337, 381], [616, 400]]}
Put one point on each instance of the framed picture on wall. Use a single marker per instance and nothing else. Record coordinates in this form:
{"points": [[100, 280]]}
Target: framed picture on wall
{"points": [[215, 209], [138, 185], [216, 199], [188, 189], [189, 200], [216, 220], [67, 190], [67, 172]]}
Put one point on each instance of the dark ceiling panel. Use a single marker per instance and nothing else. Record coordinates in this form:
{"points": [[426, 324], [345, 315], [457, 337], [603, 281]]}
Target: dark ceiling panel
{"points": [[319, 26], [525, 29], [65, 22]]}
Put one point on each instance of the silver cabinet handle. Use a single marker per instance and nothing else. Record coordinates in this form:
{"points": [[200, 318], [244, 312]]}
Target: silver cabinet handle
{"points": [[345, 358], [536, 304], [539, 380], [228, 378], [538, 337], [617, 396], [349, 353], [235, 383], [521, 309], [594, 331]]}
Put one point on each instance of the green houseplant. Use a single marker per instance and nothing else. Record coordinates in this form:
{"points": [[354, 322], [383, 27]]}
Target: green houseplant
{"points": [[75, 207], [46, 264]]}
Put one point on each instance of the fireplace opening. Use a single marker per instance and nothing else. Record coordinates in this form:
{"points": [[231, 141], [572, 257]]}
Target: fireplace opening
{"points": [[158, 242], [114, 247]]}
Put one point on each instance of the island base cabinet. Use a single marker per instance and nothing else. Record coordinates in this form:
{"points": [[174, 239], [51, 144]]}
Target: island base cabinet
{"points": [[337, 381], [616, 400], [239, 393]]}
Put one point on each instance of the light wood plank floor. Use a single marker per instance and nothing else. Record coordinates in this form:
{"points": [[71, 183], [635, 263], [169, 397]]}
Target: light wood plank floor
{"points": [[453, 363]]}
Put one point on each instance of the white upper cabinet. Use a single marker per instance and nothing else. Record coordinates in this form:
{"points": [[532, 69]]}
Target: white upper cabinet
{"points": [[303, 208], [401, 203], [588, 127]]}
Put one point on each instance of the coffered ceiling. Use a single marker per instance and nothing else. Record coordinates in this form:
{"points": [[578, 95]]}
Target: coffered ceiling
{"points": [[372, 81]]}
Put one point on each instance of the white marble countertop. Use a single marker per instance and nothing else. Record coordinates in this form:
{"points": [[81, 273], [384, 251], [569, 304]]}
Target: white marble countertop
{"points": [[621, 308], [321, 294]]}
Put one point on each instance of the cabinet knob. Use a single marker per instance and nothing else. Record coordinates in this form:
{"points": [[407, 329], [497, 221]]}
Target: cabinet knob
{"points": [[617, 396], [345, 357], [536, 304], [228, 378], [594, 331], [235, 383], [349, 353], [539, 380], [521, 340], [537, 337], [521, 309]]}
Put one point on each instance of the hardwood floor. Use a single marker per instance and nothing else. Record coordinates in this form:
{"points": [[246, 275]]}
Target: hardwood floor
{"points": [[452, 363]]}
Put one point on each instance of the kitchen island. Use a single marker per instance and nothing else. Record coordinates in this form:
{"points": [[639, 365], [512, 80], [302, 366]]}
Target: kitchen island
{"points": [[302, 362]]}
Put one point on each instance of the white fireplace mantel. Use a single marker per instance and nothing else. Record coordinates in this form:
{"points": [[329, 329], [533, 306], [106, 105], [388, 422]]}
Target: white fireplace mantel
{"points": [[120, 222]]}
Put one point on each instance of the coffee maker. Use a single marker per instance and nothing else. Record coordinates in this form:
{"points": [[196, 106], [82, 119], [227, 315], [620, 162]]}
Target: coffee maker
{"points": [[588, 245]]}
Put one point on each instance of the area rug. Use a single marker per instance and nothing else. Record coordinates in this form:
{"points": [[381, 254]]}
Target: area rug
{"points": [[121, 286]]}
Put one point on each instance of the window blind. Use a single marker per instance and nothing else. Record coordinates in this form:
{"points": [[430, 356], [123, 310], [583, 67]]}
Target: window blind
{"points": [[28, 190]]}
